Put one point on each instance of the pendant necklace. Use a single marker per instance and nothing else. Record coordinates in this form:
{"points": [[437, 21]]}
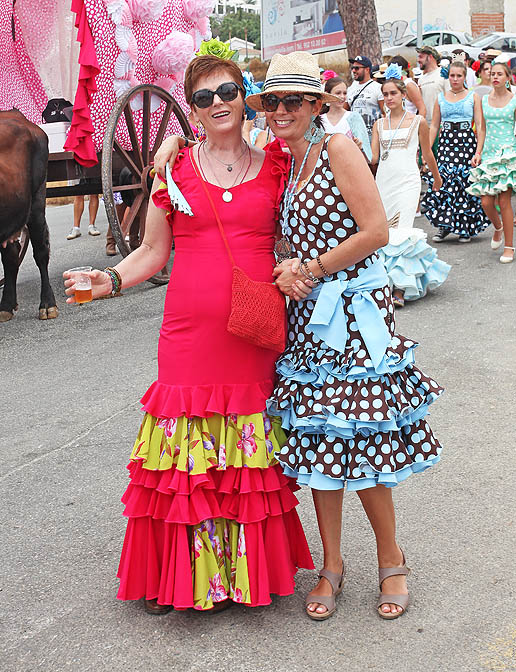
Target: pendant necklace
{"points": [[227, 196], [229, 166], [283, 249], [385, 155], [291, 187]]}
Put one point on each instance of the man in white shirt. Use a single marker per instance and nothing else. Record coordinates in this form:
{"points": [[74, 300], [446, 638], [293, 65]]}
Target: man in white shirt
{"points": [[430, 82], [365, 94]]}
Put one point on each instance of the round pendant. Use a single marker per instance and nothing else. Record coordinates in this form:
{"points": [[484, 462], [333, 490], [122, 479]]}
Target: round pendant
{"points": [[385, 156], [227, 196], [229, 168]]}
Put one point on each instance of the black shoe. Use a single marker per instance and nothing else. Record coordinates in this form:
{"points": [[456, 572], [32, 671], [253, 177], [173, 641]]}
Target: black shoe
{"points": [[464, 238], [440, 235]]}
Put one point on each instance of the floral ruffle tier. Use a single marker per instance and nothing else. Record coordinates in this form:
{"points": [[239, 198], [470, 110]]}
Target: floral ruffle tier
{"points": [[411, 264], [352, 423], [211, 515], [495, 174]]}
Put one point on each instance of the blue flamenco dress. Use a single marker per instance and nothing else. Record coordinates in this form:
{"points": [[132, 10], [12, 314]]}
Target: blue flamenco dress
{"points": [[454, 208], [497, 171], [348, 390]]}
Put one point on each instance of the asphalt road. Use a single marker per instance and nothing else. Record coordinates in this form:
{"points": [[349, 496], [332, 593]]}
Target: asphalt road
{"points": [[69, 415]]}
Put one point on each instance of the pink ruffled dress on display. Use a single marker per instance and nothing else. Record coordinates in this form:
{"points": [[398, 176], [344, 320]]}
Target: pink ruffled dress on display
{"points": [[211, 515]]}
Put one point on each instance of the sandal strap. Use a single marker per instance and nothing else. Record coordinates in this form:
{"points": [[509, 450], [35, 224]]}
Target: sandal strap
{"points": [[386, 572], [334, 579], [399, 600], [327, 601], [508, 247]]}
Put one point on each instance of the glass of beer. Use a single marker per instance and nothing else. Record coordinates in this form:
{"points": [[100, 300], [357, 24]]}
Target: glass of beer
{"points": [[83, 292]]}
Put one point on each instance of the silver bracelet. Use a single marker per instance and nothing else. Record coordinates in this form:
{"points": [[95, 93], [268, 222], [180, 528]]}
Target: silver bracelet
{"points": [[308, 273]]}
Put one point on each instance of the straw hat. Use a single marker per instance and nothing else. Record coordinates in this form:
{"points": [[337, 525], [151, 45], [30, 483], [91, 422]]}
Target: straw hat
{"points": [[296, 72], [380, 73], [492, 53]]}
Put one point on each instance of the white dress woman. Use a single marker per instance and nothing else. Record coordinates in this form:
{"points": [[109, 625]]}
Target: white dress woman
{"points": [[412, 265]]}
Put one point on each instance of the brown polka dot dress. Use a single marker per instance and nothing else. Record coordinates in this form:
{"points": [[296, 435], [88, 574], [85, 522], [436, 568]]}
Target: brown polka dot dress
{"points": [[356, 408]]}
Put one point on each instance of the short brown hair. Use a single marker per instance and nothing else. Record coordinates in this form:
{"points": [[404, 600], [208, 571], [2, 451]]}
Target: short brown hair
{"points": [[204, 65]]}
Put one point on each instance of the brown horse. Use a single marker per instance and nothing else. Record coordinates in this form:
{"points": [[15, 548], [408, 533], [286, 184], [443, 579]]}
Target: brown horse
{"points": [[23, 175]]}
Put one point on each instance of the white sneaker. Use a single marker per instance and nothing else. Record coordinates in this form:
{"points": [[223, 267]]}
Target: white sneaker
{"points": [[74, 233], [93, 231]]}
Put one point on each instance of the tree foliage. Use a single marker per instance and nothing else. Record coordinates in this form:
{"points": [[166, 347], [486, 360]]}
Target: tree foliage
{"points": [[235, 25]]}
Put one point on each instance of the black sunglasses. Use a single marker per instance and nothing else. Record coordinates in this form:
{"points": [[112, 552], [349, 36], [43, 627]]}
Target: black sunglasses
{"points": [[292, 101], [226, 92]]}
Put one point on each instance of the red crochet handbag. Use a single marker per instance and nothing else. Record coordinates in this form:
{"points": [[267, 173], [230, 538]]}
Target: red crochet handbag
{"points": [[257, 308]]}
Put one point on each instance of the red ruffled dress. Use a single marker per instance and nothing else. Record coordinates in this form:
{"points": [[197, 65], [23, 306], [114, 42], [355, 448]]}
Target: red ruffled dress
{"points": [[211, 515]]}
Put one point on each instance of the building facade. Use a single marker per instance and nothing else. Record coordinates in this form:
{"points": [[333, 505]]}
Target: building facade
{"points": [[398, 18]]}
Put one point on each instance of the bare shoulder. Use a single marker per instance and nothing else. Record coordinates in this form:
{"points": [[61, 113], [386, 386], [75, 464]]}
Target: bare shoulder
{"points": [[340, 146]]}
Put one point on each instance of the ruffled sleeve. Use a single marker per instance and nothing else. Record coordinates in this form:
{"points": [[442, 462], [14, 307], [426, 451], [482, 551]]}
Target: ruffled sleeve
{"points": [[160, 196], [280, 161]]}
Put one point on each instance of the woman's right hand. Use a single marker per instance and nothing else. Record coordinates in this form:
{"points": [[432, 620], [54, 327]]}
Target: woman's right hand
{"points": [[476, 160], [167, 153], [290, 281], [101, 284]]}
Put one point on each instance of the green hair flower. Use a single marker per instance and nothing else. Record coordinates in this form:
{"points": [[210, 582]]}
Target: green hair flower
{"points": [[216, 48]]}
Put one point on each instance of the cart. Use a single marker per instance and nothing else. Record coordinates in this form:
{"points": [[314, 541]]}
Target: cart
{"points": [[122, 109]]}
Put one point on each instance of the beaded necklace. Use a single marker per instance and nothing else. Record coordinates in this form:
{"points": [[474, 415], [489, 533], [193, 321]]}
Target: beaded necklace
{"points": [[385, 155], [290, 191]]}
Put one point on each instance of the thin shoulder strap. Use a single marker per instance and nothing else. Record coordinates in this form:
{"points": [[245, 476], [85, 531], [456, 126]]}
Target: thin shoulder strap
{"points": [[361, 91], [219, 223]]}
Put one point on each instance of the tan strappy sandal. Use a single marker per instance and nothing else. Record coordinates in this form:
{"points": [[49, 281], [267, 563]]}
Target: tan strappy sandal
{"points": [[386, 598], [337, 582]]}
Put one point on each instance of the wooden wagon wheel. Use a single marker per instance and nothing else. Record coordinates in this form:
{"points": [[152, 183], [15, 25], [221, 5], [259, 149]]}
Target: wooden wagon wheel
{"points": [[137, 162], [23, 243]]}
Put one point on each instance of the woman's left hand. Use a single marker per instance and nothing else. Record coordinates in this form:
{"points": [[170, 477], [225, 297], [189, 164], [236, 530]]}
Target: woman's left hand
{"points": [[290, 281], [438, 183], [358, 143], [476, 160]]}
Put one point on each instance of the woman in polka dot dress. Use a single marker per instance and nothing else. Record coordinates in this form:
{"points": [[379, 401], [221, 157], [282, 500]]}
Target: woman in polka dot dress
{"points": [[496, 174], [347, 389], [452, 209]]}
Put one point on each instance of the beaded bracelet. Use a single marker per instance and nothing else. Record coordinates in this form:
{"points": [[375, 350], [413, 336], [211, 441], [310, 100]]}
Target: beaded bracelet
{"points": [[321, 266], [308, 273], [116, 280]]}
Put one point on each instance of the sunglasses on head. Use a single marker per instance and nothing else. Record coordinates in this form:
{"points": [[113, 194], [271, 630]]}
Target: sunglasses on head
{"points": [[226, 92], [291, 102]]}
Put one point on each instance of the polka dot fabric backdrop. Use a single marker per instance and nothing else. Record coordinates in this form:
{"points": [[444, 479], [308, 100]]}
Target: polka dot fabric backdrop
{"points": [[20, 85], [148, 35]]}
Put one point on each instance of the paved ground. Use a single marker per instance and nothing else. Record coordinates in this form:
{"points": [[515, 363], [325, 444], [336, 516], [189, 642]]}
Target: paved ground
{"points": [[69, 415]]}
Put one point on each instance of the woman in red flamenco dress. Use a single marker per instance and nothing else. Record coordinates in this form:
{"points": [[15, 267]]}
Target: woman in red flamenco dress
{"points": [[211, 517]]}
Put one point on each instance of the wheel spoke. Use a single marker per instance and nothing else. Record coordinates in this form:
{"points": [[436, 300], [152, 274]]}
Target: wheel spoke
{"points": [[162, 128], [146, 127], [143, 218], [127, 160], [129, 120], [133, 211]]}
